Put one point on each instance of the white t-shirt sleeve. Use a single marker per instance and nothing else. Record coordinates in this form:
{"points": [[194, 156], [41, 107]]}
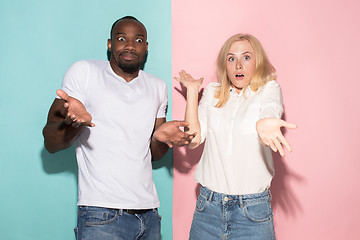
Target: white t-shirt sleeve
{"points": [[75, 81], [163, 102]]}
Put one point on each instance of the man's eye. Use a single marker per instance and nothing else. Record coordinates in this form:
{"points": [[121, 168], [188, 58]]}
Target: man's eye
{"points": [[139, 40], [121, 38]]}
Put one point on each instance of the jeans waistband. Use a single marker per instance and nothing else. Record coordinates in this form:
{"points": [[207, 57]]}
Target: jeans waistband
{"points": [[119, 211], [221, 197]]}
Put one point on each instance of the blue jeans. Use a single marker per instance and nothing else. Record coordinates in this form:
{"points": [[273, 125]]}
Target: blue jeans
{"points": [[96, 223], [220, 216]]}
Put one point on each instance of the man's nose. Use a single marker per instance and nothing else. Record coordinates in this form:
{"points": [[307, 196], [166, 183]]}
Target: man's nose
{"points": [[130, 45]]}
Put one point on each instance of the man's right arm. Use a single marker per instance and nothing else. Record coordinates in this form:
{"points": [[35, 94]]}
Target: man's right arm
{"points": [[66, 120], [58, 133]]}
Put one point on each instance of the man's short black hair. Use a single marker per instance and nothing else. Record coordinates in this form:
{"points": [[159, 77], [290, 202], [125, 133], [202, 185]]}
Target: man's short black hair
{"points": [[123, 18]]}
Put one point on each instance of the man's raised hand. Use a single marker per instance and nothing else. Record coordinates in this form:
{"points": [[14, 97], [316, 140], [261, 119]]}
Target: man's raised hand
{"points": [[74, 111]]}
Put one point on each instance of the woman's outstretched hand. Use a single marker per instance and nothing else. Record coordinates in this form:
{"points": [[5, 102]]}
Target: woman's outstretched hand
{"points": [[270, 134]]}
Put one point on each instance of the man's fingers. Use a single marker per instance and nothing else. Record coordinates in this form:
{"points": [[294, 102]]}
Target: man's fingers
{"points": [[76, 124], [69, 120], [62, 94], [180, 123]]}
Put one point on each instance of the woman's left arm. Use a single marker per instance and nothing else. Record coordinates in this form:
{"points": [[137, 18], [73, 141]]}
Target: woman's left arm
{"points": [[270, 123]]}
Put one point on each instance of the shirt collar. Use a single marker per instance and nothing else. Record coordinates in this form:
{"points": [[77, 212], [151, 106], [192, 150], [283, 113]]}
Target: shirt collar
{"points": [[248, 92]]}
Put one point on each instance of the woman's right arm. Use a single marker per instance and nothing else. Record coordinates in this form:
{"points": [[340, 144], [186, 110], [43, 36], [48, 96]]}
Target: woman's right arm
{"points": [[192, 98]]}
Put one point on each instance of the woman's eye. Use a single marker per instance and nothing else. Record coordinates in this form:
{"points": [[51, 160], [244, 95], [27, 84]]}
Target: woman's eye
{"points": [[139, 40], [121, 38], [231, 59], [247, 58]]}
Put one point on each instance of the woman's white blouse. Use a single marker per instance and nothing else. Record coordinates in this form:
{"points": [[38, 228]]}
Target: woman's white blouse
{"points": [[234, 160]]}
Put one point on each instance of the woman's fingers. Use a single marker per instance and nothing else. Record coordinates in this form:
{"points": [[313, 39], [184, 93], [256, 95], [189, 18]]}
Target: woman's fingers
{"points": [[284, 142], [278, 146], [288, 125]]}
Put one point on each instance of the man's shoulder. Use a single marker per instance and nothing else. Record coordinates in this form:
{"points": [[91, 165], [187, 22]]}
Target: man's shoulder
{"points": [[92, 63], [149, 77]]}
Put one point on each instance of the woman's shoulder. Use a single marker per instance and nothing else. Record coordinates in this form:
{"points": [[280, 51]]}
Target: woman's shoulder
{"points": [[271, 88], [212, 86], [208, 92], [272, 84], [268, 86]]}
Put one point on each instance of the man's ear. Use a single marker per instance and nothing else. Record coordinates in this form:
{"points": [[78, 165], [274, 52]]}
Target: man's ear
{"points": [[109, 45]]}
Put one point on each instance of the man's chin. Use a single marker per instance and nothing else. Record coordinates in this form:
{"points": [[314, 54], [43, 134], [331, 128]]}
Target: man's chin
{"points": [[131, 71], [129, 68]]}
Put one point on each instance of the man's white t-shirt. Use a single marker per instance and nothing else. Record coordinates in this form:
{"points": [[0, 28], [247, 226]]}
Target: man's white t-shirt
{"points": [[114, 157]]}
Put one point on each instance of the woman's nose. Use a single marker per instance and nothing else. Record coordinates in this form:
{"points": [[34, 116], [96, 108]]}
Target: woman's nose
{"points": [[238, 65]]}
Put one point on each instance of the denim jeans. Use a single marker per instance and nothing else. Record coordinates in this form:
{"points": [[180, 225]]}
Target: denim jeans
{"points": [[220, 216], [96, 223]]}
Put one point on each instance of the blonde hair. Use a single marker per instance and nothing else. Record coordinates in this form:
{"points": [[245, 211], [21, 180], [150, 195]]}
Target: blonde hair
{"points": [[264, 70]]}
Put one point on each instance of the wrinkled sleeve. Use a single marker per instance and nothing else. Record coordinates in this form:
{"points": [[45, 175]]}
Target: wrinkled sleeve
{"points": [[163, 102], [75, 81], [272, 102], [205, 102]]}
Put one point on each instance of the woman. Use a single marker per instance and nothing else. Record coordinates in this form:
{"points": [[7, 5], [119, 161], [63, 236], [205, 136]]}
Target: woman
{"points": [[236, 167]]}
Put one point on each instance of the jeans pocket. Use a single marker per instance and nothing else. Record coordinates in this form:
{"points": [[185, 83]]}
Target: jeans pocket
{"points": [[100, 216], [201, 203], [258, 211]]}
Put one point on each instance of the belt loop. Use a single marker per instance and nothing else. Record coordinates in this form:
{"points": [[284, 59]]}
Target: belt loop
{"points": [[241, 200], [210, 195], [119, 212], [269, 192]]}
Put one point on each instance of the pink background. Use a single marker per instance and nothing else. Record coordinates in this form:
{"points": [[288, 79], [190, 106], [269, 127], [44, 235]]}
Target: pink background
{"points": [[314, 45]]}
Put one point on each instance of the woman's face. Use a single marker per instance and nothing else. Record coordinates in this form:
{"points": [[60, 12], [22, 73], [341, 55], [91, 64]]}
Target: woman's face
{"points": [[240, 64]]}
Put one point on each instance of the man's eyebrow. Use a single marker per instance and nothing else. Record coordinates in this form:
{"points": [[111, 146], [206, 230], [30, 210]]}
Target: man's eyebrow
{"points": [[122, 33]]}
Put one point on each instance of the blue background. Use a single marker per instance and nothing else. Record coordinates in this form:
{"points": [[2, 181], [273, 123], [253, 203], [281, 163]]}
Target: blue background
{"points": [[39, 41]]}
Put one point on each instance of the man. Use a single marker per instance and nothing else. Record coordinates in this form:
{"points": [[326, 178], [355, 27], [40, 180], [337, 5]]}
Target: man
{"points": [[117, 198]]}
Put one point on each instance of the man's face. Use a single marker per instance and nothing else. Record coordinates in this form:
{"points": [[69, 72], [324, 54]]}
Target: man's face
{"points": [[128, 45]]}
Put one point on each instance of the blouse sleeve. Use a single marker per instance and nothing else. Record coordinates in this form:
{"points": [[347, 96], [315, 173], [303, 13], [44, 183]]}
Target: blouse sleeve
{"points": [[272, 102], [205, 102]]}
